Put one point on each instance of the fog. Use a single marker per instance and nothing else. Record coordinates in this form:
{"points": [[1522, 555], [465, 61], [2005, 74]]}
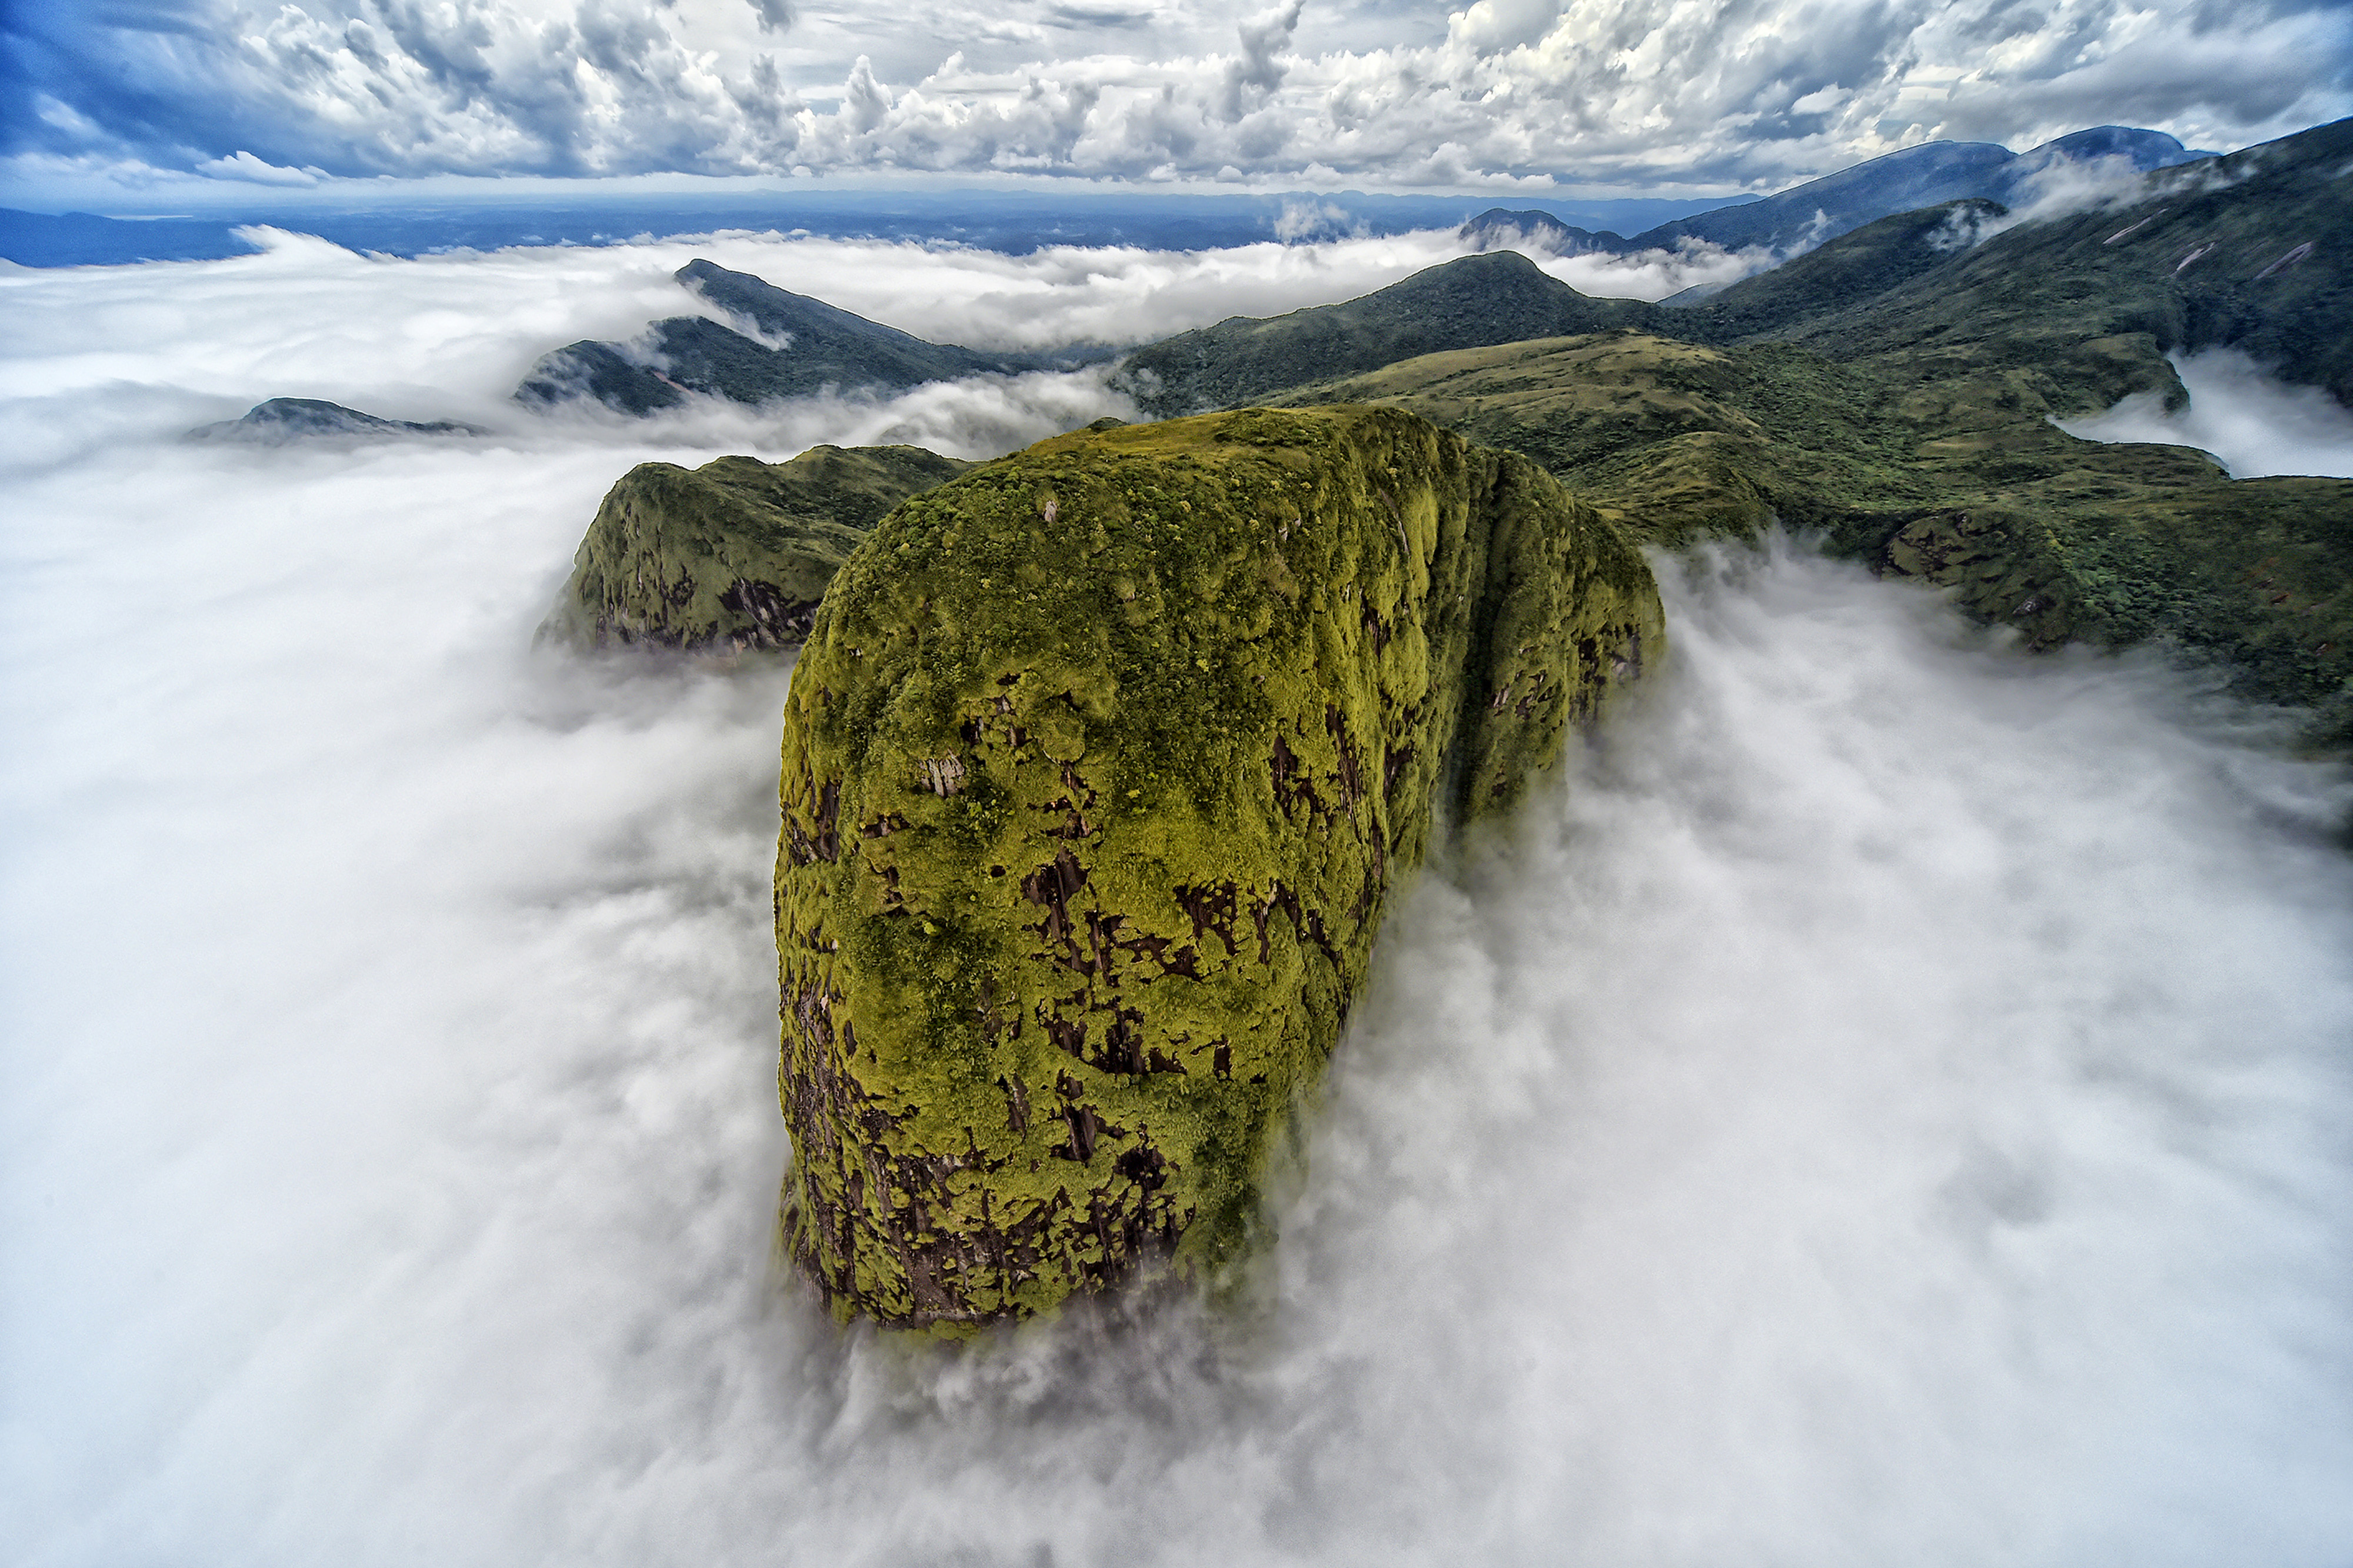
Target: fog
{"points": [[1889, 1106], [163, 346], [2252, 422], [1655, 274]]}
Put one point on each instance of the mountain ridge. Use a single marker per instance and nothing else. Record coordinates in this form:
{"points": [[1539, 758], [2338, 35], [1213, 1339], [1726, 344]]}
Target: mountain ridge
{"points": [[1846, 199]]}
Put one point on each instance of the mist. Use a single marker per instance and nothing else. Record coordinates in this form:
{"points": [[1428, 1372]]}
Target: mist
{"points": [[1888, 1105], [2252, 423]]}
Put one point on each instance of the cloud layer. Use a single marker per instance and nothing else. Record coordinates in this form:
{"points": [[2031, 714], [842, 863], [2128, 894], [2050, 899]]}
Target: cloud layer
{"points": [[1510, 91], [1890, 1108], [2251, 422]]}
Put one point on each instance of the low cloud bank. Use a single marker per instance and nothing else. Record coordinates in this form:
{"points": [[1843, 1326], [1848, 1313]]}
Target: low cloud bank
{"points": [[1889, 1108], [1654, 274], [450, 336], [2252, 423]]}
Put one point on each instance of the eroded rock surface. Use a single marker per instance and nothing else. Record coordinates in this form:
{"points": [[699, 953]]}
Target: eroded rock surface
{"points": [[1099, 767], [733, 554]]}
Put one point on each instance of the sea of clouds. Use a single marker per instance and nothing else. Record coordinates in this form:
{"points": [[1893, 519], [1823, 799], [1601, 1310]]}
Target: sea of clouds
{"points": [[1891, 1106]]}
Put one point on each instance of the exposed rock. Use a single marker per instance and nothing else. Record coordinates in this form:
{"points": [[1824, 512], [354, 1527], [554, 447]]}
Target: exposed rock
{"points": [[282, 419], [733, 554], [1099, 768]]}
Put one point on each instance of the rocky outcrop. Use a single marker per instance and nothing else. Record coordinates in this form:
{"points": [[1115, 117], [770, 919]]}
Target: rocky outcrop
{"points": [[733, 554], [1099, 768]]}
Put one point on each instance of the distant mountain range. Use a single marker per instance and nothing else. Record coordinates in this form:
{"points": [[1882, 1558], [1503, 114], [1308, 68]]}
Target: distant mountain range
{"points": [[1894, 390], [1807, 215], [1012, 222], [1023, 221], [792, 346]]}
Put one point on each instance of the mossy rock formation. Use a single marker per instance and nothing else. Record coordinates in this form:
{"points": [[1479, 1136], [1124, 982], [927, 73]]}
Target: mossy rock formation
{"points": [[732, 555], [1098, 766]]}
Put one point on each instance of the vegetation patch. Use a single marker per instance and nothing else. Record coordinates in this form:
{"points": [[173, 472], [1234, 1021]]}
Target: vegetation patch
{"points": [[1099, 768]]}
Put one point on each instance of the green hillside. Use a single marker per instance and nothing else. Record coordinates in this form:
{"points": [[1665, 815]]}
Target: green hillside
{"points": [[732, 555], [2253, 251], [1960, 480], [1499, 297], [1895, 389]]}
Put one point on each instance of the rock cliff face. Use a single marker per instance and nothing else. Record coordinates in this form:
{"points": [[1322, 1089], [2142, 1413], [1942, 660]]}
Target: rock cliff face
{"points": [[1099, 767], [733, 554]]}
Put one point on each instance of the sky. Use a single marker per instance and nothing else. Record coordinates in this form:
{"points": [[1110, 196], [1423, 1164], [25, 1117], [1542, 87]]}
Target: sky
{"points": [[260, 96]]}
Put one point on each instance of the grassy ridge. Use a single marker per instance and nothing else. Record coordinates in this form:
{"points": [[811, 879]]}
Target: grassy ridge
{"points": [[1960, 480], [1895, 389]]}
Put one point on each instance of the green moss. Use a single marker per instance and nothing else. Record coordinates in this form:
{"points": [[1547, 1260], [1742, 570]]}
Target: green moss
{"points": [[1931, 470], [1098, 766], [733, 554]]}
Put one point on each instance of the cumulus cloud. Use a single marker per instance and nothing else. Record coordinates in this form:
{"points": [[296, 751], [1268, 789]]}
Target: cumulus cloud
{"points": [[244, 165], [1614, 91]]}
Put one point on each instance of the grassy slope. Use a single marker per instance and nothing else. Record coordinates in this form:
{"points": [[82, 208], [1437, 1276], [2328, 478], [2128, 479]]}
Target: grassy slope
{"points": [[2182, 266], [1502, 297], [1960, 480]]}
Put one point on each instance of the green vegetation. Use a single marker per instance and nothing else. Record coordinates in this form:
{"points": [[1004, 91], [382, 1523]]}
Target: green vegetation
{"points": [[2255, 250], [1493, 298], [1101, 760], [1895, 389], [733, 554], [1098, 766], [1960, 481]]}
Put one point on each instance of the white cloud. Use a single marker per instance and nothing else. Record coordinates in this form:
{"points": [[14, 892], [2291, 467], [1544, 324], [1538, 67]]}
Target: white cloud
{"points": [[1891, 1112], [1655, 274], [243, 165], [2248, 420], [1613, 91]]}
